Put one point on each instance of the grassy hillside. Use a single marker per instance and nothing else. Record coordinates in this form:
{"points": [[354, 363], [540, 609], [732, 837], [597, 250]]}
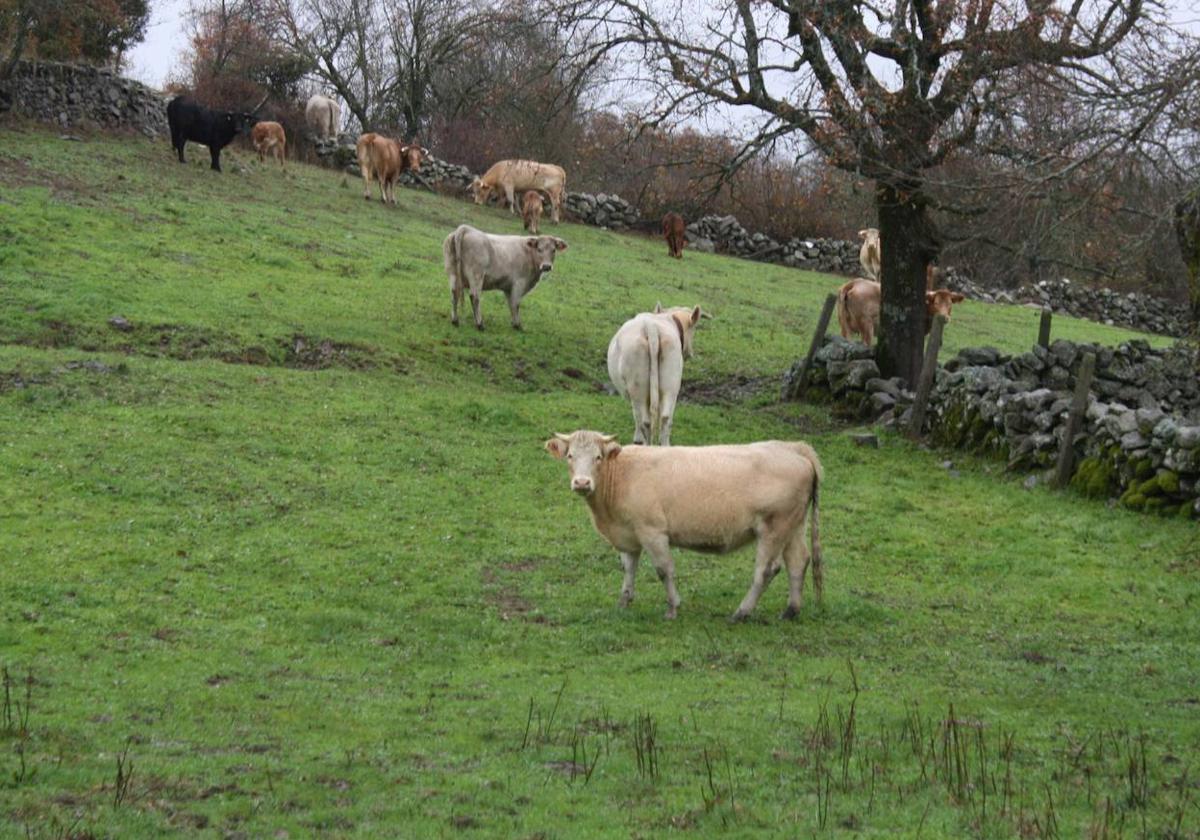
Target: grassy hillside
{"points": [[290, 549]]}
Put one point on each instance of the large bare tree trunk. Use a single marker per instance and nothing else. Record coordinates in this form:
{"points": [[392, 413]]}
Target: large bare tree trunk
{"points": [[907, 242]]}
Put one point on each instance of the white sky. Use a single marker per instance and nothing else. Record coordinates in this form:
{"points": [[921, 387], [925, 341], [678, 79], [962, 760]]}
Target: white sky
{"points": [[153, 60]]}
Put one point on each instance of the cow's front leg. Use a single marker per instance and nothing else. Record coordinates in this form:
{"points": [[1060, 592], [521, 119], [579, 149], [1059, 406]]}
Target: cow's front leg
{"points": [[179, 151], [512, 199], [629, 560], [660, 551], [216, 159], [514, 309], [555, 203]]}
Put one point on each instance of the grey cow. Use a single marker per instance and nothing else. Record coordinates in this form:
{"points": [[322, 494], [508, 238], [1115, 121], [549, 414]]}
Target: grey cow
{"points": [[477, 262]]}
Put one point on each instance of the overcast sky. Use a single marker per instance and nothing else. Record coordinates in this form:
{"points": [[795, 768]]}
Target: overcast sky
{"points": [[153, 59]]}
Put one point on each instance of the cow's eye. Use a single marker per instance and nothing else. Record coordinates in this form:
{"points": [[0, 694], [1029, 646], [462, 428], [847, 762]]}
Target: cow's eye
{"points": [[598, 459], [570, 457]]}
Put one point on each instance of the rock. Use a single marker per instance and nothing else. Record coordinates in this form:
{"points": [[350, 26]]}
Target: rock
{"points": [[867, 440], [119, 323], [1030, 482]]}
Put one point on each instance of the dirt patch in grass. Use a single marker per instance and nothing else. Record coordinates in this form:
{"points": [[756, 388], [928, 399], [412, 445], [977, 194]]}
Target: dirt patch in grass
{"points": [[736, 388], [308, 353]]}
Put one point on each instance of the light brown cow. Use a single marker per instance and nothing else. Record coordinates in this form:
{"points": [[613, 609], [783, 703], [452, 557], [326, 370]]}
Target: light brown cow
{"points": [[476, 262], [939, 302], [269, 137], [673, 230], [858, 309], [384, 160], [704, 498], [513, 175], [869, 253], [531, 210]]}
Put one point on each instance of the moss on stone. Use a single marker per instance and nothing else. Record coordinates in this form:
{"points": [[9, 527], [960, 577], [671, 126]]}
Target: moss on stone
{"points": [[1095, 478], [1143, 468], [1158, 504], [1168, 481], [1133, 499]]}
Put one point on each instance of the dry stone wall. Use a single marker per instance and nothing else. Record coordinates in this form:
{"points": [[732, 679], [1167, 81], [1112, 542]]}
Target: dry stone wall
{"points": [[1140, 443], [70, 95]]}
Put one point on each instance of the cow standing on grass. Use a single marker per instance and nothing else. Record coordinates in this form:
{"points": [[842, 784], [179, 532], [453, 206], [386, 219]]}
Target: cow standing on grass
{"points": [[385, 160], [190, 120], [531, 210], [513, 176], [269, 137], [704, 498], [477, 262], [674, 231], [645, 364], [323, 116]]}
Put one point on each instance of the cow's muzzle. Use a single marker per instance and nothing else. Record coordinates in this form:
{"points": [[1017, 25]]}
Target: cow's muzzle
{"points": [[583, 486], [546, 268]]}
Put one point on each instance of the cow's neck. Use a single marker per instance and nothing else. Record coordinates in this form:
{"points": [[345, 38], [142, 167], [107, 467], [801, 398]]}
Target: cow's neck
{"points": [[600, 502], [679, 326]]}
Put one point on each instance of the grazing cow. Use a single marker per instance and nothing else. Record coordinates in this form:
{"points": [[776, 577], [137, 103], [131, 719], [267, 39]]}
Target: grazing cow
{"points": [[869, 253], [704, 498], [939, 302], [673, 231], [478, 262], [531, 210], [645, 364], [190, 120], [858, 309], [384, 160], [322, 115], [269, 137], [513, 175]]}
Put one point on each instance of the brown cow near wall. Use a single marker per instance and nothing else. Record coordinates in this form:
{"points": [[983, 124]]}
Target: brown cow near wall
{"points": [[673, 229], [268, 137]]}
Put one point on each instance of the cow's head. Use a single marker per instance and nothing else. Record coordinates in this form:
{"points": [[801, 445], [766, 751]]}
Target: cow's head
{"points": [[584, 453], [687, 320], [480, 191], [939, 302], [543, 249], [240, 123], [869, 236], [413, 154]]}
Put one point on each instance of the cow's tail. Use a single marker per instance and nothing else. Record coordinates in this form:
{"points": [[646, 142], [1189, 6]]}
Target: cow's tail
{"points": [[810, 455], [650, 327], [451, 251]]}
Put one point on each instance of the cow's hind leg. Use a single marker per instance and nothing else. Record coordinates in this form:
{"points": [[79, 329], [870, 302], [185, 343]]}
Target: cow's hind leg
{"points": [[456, 294], [475, 308], [660, 551], [629, 560], [766, 566], [796, 557]]}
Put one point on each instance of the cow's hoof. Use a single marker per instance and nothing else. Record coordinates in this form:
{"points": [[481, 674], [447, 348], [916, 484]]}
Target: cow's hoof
{"points": [[669, 615], [789, 613], [518, 327], [737, 618], [479, 327], [624, 601]]}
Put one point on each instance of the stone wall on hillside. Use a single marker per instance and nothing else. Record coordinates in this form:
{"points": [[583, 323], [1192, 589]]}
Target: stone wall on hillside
{"points": [[1141, 439], [70, 95]]}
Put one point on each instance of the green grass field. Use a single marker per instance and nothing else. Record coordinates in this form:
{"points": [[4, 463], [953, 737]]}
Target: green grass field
{"points": [[286, 559]]}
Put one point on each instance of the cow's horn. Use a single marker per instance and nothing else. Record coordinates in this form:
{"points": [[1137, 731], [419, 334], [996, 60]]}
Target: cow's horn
{"points": [[607, 438], [260, 104], [562, 437]]}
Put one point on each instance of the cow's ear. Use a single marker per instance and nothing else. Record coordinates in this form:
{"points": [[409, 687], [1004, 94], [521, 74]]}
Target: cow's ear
{"points": [[929, 297], [424, 151], [557, 447], [609, 446], [560, 244], [956, 297], [696, 316], [658, 307], [532, 242], [862, 234]]}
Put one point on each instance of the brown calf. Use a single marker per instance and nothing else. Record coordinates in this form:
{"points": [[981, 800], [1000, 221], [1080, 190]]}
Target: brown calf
{"points": [[269, 137], [858, 309], [531, 210], [939, 302], [673, 231]]}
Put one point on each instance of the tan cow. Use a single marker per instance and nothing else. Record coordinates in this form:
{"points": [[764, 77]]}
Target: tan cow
{"points": [[269, 137], [322, 115], [869, 253], [939, 302], [858, 309], [477, 262], [520, 175], [384, 160], [673, 230], [531, 210], [645, 364], [704, 498]]}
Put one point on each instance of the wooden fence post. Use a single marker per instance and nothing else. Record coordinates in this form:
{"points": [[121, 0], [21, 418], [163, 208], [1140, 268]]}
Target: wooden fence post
{"points": [[1066, 453], [925, 381], [795, 389], [1044, 327]]}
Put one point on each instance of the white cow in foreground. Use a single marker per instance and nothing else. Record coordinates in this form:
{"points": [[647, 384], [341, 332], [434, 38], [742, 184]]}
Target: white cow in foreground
{"points": [[477, 262], [705, 498], [645, 364]]}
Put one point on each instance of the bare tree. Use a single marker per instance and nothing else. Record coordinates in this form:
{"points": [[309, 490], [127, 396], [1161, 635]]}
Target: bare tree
{"points": [[889, 91]]}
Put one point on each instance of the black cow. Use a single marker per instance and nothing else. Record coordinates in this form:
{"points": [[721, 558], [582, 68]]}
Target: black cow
{"points": [[190, 120]]}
